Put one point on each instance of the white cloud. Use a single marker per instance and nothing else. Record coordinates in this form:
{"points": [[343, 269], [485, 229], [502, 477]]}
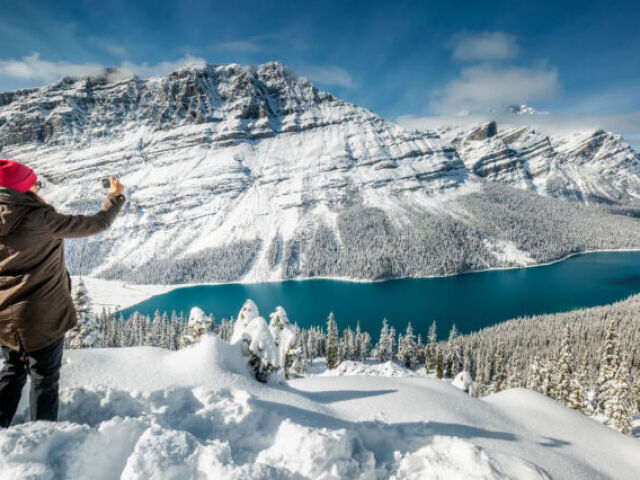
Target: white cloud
{"points": [[484, 46], [35, 69], [484, 86], [327, 75], [146, 70], [32, 67]]}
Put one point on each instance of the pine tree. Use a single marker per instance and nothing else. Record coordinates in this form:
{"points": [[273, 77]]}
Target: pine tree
{"points": [[383, 350], [407, 348], [534, 376], [576, 397], [609, 364], [430, 361], [421, 353], [332, 342], [618, 405], [357, 353], [479, 384], [439, 362], [394, 342], [512, 373], [87, 331], [453, 357], [565, 368], [547, 374], [499, 379]]}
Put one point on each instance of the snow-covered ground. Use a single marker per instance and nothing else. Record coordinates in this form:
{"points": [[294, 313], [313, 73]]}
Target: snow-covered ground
{"points": [[115, 294], [147, 413]]}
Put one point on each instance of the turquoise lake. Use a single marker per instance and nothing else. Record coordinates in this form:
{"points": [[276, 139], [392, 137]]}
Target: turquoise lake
{"points": [[471, 301]]}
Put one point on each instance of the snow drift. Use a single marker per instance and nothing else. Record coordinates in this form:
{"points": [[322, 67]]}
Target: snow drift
{"points": [[147, 413]]}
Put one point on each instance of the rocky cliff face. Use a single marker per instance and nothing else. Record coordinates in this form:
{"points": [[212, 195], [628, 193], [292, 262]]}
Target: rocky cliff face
{"points": [[252, 173]]}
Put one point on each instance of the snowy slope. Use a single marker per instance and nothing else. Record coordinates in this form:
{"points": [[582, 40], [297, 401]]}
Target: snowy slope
{"points": [[252, 174], [146, 413]]}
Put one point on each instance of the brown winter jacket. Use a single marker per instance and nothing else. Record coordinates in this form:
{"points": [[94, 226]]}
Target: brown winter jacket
{"points": [[35, 288]]}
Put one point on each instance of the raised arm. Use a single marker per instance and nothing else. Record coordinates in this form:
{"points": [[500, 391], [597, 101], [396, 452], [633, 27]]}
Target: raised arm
{"points": [[73, 226]]}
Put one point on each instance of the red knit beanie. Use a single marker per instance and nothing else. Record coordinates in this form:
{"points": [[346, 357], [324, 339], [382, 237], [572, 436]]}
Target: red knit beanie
{"points": [[16, 176]]}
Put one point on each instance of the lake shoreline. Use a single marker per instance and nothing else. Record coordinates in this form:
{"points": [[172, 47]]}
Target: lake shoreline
{"points": [[123, 295], [471, 302], [380, 280]]}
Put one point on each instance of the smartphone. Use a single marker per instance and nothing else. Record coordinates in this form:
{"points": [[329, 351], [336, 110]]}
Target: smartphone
{"points": [[106, 182]]}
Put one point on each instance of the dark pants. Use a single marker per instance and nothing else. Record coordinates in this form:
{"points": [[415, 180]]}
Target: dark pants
{"points": [[44, 368]]}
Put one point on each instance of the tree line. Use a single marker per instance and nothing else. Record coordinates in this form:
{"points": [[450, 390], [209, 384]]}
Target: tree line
{"points": [[587, 359]]}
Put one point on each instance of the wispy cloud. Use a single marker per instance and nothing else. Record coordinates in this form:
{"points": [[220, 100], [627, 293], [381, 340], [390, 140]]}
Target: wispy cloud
{"points": [[146, 70], [34, 68], [327, 75], [256, 43], [484, 46], [485, 86]]}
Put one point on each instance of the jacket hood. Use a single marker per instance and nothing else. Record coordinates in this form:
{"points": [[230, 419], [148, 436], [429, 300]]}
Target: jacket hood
{"points": [[14, 206]]}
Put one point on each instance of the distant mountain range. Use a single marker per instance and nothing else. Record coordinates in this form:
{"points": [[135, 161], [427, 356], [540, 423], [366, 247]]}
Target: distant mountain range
{"points": [[252, 174]]}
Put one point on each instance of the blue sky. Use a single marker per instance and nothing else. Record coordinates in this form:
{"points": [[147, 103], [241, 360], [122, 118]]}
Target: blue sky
{"points": [[402, 59]]}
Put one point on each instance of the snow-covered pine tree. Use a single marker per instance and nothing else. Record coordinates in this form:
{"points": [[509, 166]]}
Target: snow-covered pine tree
{"points": [[548, 375], [421, 352], [439, 362], [479, 383], [407, 348], [452, 360], [196, 328], [565, 369], [383, 350], [578, 382], [618, 406], [87, 331], [394, 342], [357, 353], [534, 376], [210, 324], [512, 372], [285, 336], [430, 361], [609, 364], [332, 342], [498, 382]]}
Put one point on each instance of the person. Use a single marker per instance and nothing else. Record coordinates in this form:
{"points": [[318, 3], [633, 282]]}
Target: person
{"points": [[36, 308]]}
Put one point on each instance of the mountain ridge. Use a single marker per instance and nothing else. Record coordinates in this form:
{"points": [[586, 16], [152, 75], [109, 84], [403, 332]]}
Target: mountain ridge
{"points": [[254, 174]]}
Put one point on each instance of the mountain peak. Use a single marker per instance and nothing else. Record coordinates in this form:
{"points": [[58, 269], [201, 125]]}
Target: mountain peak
{"points": [[522, 109]]}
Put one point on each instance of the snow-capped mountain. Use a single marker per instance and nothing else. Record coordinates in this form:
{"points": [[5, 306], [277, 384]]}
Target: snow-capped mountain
{"points": [[589, 166], [253, 174], [523, 109]]}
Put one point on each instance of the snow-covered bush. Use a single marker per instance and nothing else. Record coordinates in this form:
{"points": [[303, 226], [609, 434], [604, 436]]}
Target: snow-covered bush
{"points": [[464, 382], [196, 328], [270, 348], [285, 336]]}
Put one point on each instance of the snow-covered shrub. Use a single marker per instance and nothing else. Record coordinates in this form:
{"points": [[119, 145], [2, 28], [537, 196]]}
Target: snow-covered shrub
{"points": [[285, 337], [464, 382], [196, 328], [270, 348]]}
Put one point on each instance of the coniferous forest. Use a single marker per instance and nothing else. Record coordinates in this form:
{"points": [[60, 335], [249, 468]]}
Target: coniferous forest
{"points": [[587, 359]]}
